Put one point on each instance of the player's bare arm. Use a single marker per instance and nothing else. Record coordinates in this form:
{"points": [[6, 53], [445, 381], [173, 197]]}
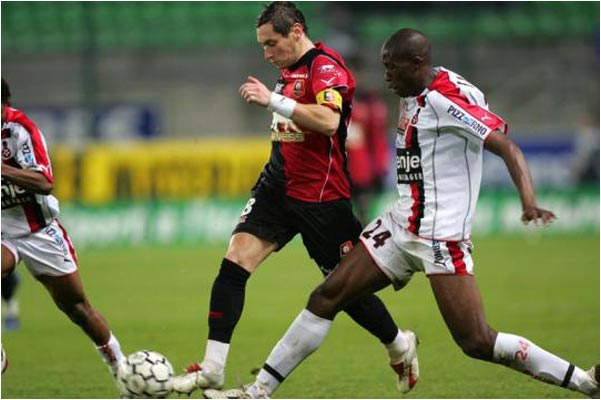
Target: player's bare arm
{"points": [[315, 117], [499, 144], [33, 181]]}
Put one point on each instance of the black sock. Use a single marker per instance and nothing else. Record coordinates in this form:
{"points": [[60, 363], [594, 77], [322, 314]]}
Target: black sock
{"points": [[227, 300], [371, 314], [9, 286]]}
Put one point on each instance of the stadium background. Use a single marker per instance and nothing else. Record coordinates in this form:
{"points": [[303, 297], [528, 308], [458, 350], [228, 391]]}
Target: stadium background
{"points": [[154, 154]]}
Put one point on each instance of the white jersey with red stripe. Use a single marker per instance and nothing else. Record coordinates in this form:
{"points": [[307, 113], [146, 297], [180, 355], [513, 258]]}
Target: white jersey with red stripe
{"points": [[440, 137], [24, 147]]}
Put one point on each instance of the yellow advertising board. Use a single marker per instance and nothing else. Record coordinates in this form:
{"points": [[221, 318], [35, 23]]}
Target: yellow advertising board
{"points": [[104, 173]]}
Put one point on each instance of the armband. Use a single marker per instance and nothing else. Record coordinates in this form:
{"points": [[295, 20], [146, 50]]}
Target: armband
{"points": [[281, 104]]}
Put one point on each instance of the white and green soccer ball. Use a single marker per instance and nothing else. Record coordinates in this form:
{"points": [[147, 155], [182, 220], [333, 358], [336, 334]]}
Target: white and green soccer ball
{"points": [[145, 375]]}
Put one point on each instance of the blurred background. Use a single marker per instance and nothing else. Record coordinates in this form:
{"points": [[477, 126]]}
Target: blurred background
{"points": [[151, 143]]}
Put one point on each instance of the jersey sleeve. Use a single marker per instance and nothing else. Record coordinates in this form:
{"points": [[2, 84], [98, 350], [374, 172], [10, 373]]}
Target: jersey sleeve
{"points": [[31, 152], [328, 81], [465, 115]]}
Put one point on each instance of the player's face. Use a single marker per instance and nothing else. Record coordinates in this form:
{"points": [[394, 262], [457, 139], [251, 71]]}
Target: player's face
{"points": [[278, 49], [402, 75]]}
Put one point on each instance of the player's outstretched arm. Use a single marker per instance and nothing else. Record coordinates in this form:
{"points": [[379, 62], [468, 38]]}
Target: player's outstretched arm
{"points": [[499, 144], [314, 117], [30, 180]]}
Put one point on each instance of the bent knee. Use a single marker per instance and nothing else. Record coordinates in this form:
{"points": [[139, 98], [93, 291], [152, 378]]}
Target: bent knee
{"points": [[80, 312], [479, 345], [325, 301]]}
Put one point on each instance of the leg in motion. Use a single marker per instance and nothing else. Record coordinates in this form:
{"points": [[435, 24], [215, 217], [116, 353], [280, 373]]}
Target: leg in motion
{"points": [[244, 255], [459, 302], [355, 278], [68, 294], [11, 304]]}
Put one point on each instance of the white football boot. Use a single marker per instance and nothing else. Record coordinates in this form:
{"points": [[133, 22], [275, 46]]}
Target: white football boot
{"points": [[594, 374], [250, 391], [4, 360], [408, 369], [197, 376]]}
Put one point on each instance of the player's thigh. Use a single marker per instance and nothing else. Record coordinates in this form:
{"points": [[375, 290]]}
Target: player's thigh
{"points": [[10, 258], [263, 227], [248, 251], [390, 247], [460, 304], [329, 230], [356, 276]]}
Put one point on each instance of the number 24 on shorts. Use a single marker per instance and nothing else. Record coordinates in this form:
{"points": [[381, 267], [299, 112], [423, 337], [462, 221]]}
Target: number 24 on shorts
{"points": [[378, 238]]}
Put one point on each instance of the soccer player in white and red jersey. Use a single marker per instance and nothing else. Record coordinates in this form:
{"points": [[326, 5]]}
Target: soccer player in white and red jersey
{"points": [[32, 233], [444, 126], [304, 189]]}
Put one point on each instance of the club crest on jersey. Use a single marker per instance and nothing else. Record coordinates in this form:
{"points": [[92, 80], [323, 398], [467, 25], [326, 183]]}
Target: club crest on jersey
{"points": [[299, 88], [6, 151], [415, 117], [345, 248]]}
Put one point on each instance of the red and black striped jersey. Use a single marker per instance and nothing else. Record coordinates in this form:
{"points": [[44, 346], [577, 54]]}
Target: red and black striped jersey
{"points": [[24, 147], [306, 165]]}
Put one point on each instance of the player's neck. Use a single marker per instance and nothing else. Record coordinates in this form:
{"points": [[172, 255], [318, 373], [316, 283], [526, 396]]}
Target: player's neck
{"points": [[430, 77], [305, 44]]}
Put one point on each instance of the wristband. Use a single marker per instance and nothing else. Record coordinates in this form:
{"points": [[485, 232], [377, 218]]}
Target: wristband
{"points": [[281, 104]]}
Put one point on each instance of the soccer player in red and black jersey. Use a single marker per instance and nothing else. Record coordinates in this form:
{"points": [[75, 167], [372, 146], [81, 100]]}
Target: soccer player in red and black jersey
{"points": [[304, 188]]}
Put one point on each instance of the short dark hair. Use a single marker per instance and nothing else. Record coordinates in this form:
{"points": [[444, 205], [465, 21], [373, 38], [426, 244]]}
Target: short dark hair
{"points": [[407, 42], [282, 15], [5, 92]]}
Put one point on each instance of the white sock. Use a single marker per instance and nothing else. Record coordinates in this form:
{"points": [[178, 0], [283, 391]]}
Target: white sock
{"points": [[12, 308], [398, 348], [111, 352], [521, 354], [215, 356], [304, 336]]}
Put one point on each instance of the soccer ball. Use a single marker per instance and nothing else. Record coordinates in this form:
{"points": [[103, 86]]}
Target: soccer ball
{"points": [[145, 375], [4, 360]]}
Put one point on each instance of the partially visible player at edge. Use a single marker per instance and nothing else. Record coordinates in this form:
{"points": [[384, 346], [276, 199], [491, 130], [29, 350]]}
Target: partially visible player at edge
{"points": [[31, 231], [444, 124], [304, 188]]}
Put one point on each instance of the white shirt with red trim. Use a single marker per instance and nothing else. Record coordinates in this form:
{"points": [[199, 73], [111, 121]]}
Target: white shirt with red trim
{"points": [[23, 146], [440, 139]]}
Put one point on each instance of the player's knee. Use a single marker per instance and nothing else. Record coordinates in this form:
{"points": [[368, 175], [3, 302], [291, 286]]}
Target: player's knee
{"points": [[79, 312], [478, 345], [7, 269], [324, 301]]}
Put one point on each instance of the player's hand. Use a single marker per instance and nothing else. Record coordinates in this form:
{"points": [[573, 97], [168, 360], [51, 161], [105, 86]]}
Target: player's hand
{"points": [[536, 215], [253, 91]]}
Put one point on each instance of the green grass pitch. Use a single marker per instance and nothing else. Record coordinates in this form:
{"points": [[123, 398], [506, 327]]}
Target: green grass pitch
{"points": [[543, 288]]}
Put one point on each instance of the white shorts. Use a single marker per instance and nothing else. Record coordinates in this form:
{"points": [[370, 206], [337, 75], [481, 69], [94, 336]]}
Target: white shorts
{"points": [[48, 251], [399, 253]]}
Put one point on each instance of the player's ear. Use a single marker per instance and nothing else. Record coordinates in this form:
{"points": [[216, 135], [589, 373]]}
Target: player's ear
{"points": [[297, 31]]}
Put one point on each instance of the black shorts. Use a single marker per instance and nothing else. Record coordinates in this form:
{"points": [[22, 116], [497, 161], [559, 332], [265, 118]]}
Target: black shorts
{"points": [[329, 230]]}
